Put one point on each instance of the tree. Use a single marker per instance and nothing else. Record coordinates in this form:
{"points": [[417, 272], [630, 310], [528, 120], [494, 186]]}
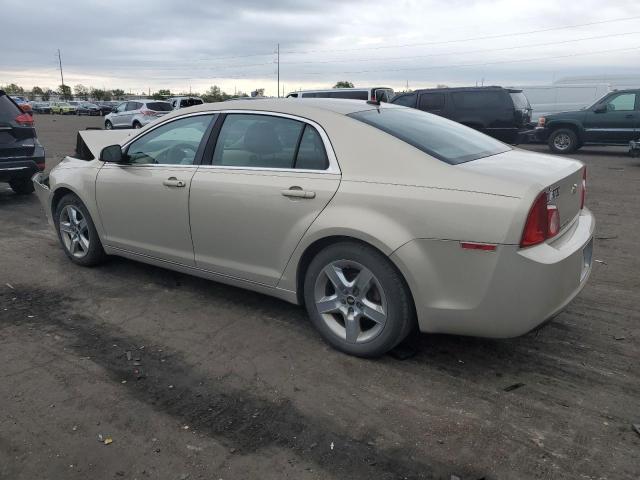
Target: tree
{"points": [[13, 89], [35, 91], [47, 95], [161, 94], [100, 94], [81, 91], [117, 93], [214, 94], [343, 84], [65, 92]]}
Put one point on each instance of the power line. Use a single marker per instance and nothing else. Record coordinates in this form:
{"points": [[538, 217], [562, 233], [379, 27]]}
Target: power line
{"points": [[412, 57], [433, 67], [469, 39]]}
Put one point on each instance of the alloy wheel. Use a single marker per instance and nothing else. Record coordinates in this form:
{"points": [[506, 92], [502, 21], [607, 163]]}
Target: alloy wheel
{"points": [[351, 301], [562, 141], [74, 231]]}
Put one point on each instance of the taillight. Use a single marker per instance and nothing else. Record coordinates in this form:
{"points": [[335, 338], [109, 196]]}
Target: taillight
{"points": [[583, 190], [148, 113], [543, 222], [24, 120]]}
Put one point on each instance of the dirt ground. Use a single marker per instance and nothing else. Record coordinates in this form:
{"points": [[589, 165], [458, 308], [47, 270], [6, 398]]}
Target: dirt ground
{"points": [[193, 379]]}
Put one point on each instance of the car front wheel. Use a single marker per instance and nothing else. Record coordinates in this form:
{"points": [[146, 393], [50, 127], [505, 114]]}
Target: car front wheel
{"points": [[563, 140], [357, 300], [77, 232]]}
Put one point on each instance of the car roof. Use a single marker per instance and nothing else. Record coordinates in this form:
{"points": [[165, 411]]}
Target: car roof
{"points": [[310, 108]]}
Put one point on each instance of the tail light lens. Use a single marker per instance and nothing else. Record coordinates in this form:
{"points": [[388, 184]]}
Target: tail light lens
{"points": [[24, 120], [543, 222], [148, 113], [583, 190]]}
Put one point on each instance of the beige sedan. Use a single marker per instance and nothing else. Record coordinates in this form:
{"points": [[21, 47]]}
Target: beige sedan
{"points": [[377, 218]]}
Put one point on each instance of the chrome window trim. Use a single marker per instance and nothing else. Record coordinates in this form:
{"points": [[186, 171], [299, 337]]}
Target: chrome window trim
{"points": [[333, 168]]}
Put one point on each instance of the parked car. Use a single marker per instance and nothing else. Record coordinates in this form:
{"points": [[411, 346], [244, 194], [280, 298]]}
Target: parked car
{"points": [[41, 107], [184, 102], [377, 218], [502, 113], [23, 103], [612, 120], [62, 108], [86, 108], [380, 94], [550, 99], [136, 113], [21, 155], [106, 107]]}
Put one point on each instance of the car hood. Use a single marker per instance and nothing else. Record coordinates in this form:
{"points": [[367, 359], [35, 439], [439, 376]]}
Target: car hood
{"points": [[96, 140], [568, 115]]}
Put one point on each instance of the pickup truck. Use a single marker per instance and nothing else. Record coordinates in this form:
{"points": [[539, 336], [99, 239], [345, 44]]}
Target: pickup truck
{"points": [[612, 120]]}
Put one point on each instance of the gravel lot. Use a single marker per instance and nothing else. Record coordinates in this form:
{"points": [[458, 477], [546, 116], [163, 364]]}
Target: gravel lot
{"points": [[193, 379]]}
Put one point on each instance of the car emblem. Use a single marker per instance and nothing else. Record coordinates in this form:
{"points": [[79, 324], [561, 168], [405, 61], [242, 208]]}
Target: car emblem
{"points": [[574, 188]]}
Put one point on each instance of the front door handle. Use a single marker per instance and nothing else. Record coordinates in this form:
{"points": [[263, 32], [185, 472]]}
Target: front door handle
{"points": [[173, 182], [629, 115], [297, 192]]}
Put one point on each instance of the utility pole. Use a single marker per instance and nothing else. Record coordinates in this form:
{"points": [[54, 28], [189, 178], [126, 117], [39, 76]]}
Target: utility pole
{"points": [[278, 62], [61, 76]]}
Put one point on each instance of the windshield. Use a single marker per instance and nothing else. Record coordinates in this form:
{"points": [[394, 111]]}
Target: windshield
{"points": [[520, 100], [159, 106], [441, 138]]}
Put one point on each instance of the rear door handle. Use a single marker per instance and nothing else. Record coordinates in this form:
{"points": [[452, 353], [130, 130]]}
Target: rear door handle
{"points": [[297, 192], [173, 182]]}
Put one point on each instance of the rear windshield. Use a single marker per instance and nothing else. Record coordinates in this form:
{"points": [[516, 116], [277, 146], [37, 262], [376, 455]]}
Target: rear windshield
{"points": [[8, 110], [441, 138], [520, 100], [159, 106]]}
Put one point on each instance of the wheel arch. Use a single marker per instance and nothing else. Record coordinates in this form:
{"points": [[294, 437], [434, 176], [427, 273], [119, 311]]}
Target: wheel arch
{"points": [[557, 125]]}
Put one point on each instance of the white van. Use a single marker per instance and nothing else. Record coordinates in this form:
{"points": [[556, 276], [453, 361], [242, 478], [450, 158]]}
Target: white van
{"points": [[549, 99], [382, 94], [183, 102]]}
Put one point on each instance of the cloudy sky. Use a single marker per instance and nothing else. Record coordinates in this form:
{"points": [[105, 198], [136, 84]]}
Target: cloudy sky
{"points": [[151, 44]]}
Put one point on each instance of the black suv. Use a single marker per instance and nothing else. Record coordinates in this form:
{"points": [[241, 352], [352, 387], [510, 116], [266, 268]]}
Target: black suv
{"points": [[500, 112], [21, 155], [612, 120]]}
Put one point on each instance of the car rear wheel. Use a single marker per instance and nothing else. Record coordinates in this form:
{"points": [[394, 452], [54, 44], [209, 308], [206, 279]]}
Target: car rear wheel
{"points": [[357, 300], [77, 232], [563, 140], [22, 186], [108, 125], [137, 125]]}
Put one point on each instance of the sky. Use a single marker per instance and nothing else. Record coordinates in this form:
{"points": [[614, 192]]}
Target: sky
{"points": [[190, 45]]}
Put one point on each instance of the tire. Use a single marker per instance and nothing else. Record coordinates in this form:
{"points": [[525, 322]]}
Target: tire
{"points": [[108, 125], [563, 140], [366, 323], [77, 233], [137, 125], [22, 186]]}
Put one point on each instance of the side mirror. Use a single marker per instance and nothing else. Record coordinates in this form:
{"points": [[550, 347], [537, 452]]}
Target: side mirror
{"points": [[600, 109], [112, 153]]}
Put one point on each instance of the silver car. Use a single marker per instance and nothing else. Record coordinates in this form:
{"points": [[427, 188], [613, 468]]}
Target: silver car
{"points": [[136, 113], [378, 218]]}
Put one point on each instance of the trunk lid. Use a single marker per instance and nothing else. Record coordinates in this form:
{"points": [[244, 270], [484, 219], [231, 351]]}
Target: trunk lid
{"points": [[530, 173]]}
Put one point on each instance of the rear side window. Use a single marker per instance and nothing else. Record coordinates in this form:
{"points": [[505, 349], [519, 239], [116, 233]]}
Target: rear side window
{"points": [[263, 141], [353, 95], [8, 110], [431, 101], [477, 100], [406, 100], [159, 106], [441, 138]]}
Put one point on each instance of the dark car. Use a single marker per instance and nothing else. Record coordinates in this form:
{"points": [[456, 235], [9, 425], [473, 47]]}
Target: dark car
{"points": [[41, 107], [86, 108], [502, 113], [105, 107], [21, 154], [612, 120]]}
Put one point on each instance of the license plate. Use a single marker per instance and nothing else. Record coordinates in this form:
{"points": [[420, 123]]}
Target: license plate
{"points": [[587, 255]]}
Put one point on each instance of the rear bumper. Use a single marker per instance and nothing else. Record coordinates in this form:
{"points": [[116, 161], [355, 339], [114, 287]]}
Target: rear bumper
{"points": [[21, 167], [500, 294]]}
